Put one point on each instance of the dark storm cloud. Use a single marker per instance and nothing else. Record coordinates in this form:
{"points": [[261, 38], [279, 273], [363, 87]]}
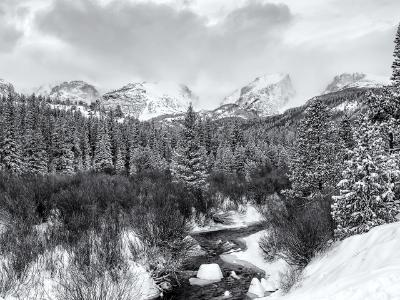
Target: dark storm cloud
{"points": [[157, 41]]}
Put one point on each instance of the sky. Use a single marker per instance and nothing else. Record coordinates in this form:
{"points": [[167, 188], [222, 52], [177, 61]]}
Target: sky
{"points": [[213, 46]]}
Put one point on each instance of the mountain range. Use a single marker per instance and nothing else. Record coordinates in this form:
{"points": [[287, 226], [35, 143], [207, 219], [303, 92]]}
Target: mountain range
{"points": [[265, 96]]}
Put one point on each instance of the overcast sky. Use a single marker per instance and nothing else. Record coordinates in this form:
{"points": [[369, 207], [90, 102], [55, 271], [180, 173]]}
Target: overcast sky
{"points": [[213, 46]]}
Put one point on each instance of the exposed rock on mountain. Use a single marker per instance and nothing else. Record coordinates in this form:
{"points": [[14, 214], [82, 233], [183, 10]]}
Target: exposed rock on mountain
{"points": [[74, 91], [265, 96], [355, 80], [145, 100]]}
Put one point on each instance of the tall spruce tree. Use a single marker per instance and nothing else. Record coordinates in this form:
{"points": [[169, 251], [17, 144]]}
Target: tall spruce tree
{"points": [[189, 161], [314, 167], [11, 154], [102, 159], [61, 149], [396, 62], [368, 181]]}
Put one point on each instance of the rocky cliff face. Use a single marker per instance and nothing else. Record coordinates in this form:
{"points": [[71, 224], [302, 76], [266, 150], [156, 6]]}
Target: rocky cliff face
{"points": [[355, 80], [264, 96], [74, 91], [145, 100]]}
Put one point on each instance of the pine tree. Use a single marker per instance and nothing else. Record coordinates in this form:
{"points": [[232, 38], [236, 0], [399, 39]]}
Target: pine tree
{"points": [[85, 146], [224, 160], [314, 167], [396, 62], [120, 161], [11, 154], [367, 187], [62, 156], [239, 160], [189, 161], [102, 159], [36, 154]]}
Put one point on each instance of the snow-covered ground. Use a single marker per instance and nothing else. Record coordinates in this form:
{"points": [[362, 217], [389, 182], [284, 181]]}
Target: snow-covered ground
{"points": [[45, 277], [362, 267], [253, 256]]}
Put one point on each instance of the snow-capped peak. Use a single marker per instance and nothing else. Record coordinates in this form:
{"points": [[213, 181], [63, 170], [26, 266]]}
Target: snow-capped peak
{"points": [[146, 100], [74, 91], [355, 80], [265, 95]]}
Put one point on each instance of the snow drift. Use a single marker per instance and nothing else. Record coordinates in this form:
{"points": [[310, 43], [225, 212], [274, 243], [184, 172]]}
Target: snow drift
{"points": [[361, 267]]}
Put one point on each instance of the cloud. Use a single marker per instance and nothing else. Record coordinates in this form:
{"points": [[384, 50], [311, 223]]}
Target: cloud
{"points": [[156, 41], [9, 34], [214, 46]]}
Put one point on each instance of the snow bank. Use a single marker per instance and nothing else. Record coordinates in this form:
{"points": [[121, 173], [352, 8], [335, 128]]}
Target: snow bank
{"points": [[253, 256], [362, 267]]}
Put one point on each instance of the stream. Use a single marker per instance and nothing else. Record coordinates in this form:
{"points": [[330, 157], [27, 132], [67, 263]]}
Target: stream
{"points": [[214, 244]]}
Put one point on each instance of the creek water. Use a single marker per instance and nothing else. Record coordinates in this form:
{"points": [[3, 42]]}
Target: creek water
{"points": [[214, 244]]}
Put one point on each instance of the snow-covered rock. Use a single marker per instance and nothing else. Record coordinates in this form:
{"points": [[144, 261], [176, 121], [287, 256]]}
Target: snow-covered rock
{"points": [[227, 295], [255, 289], [210, 272], [75, 91], [234, 275], [6, 88], [268, 285], [145, 100], [265, 96], [355, 80], [361, 267]]}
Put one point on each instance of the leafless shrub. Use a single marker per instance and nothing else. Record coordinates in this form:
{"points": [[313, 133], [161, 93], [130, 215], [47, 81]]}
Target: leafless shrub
{"points": [[298, 236], [269, 245], [289, 278], [8, 279], [88, 284]]}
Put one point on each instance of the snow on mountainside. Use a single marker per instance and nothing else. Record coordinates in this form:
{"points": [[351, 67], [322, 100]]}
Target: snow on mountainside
{"points": [[264, 96], [145, 100], [361, 267], [355, 80], [6, 88], [74, 91]]}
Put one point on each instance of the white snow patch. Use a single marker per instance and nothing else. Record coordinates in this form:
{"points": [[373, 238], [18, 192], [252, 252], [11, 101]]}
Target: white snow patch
{"points": [[254, 256], [210, 272], [256, 288]]}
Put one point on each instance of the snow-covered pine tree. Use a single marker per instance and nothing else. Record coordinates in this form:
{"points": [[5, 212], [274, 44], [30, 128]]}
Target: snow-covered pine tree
{"points": [[102, 159], [77, 150], [239, 160], [37, 158], [85, 147], [314, 167], [224, 160], [61, 149], [189, 161], [11, 154], [396, 62], [120, 161], [367, 187]]}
